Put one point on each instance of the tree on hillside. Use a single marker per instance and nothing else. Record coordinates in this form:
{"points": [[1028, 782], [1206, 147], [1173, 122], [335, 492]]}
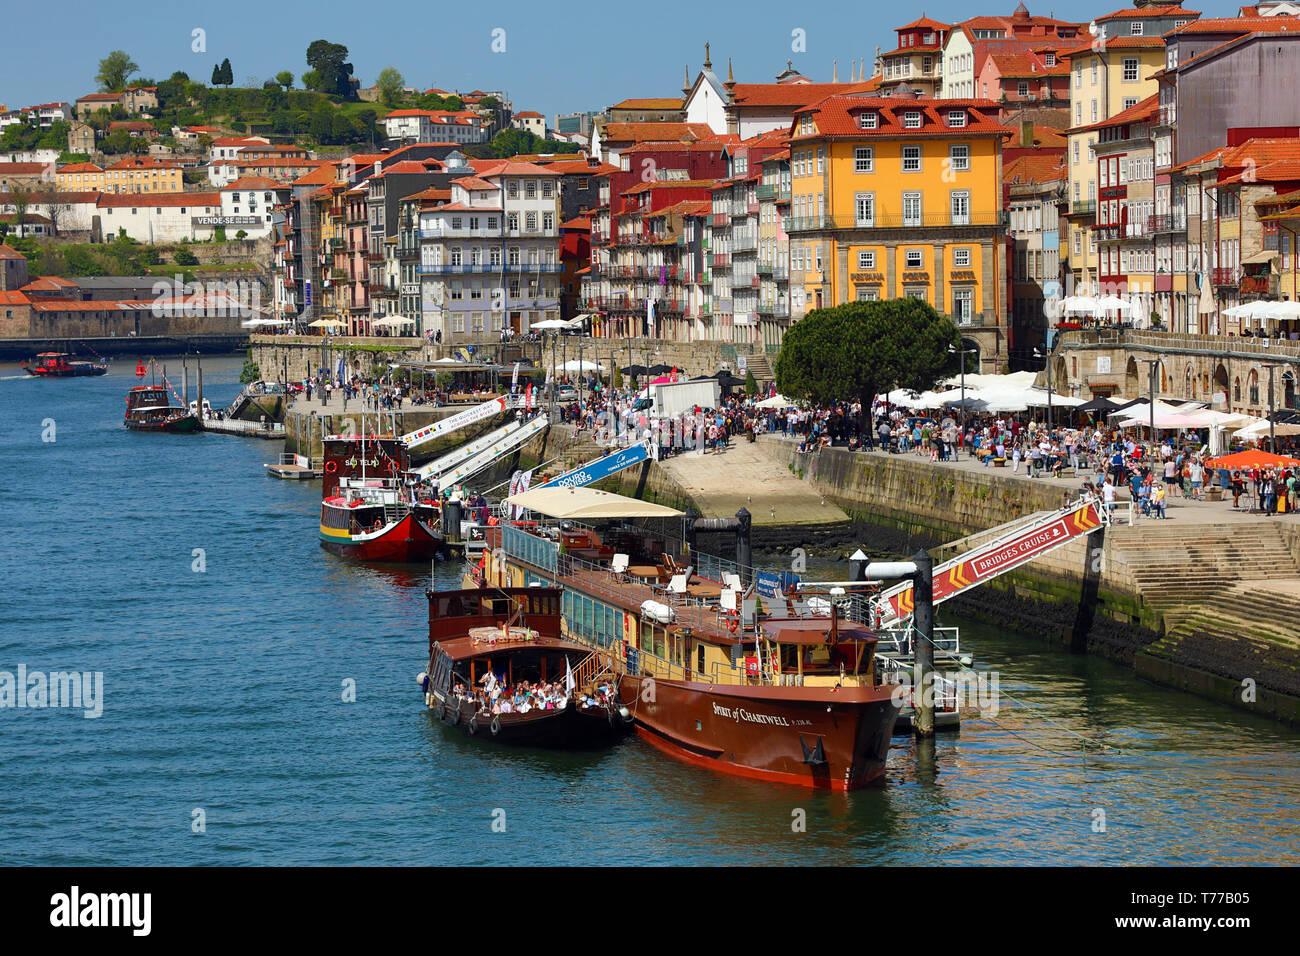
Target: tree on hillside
{"points": [[328, 63], [20, 197], [390, 83], [857, 351], [453, 103], [216, 74], [223, 75], [114, 71], [285, 79]]}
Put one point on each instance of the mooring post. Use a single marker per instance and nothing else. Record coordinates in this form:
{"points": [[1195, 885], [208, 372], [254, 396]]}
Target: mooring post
{"points": [[923, 645]]}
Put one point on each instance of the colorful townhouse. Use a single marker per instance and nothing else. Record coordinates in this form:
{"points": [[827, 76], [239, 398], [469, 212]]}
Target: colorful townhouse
{"points": [[902, 196]]}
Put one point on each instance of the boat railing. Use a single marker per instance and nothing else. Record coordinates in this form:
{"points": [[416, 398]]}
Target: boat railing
{"points": [[898, 641]]}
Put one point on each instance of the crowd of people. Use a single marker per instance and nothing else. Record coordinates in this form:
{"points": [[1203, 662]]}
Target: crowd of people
{"points": [[494, 696]]}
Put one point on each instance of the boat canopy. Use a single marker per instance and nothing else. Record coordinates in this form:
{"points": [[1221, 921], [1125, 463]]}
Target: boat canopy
{"points": [[588, 503], [813, 631]]}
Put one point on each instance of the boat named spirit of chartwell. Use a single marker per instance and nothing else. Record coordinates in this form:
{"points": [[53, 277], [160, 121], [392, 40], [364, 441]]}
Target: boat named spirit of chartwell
{"points": [[778, 698]]}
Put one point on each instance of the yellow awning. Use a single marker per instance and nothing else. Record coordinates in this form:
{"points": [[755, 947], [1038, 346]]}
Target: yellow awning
{"points": [[588, 503]]}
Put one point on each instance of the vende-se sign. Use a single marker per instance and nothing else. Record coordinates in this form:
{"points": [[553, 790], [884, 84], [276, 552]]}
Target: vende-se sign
{"points": [[225, 220]]}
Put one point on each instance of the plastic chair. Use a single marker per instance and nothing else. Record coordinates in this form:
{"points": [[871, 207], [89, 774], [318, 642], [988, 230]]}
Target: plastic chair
{"points": [[618, 566]]}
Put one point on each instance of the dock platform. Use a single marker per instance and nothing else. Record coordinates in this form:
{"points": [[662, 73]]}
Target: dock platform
{"points": [[234, 426], [293, 467]]}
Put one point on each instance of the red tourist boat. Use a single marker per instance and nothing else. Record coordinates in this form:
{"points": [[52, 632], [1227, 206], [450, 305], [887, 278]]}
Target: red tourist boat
{"points": [[492, 644], [62, 365], [367, 511], [774, 698]]}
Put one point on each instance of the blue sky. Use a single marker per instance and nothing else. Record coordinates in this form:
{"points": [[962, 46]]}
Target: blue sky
{"points": [[558, 56]]}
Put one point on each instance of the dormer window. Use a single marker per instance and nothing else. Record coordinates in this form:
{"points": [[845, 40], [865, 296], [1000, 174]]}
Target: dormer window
{"points": [[1050, 59], [956, 118], [912, 119], [1135, 28], [867, 120]]}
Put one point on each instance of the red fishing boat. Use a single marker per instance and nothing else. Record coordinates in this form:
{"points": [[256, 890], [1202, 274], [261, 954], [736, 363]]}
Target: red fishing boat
{"points": [[499, 669], [368, 511], [62, 365], [793, 700]]}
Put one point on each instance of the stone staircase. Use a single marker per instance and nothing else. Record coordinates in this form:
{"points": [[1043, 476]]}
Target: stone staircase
{"points": [[761, 366], [1157, 558], [1251, 610]]}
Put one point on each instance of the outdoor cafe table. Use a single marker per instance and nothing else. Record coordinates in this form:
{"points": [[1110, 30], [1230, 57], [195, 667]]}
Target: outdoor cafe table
{"points": [[705, 589], [644, 573]]}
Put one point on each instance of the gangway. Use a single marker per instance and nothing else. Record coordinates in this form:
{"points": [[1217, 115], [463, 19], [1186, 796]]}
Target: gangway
{"points": [[456, 422], [600, 468], [486, 457], [464, 453], [1038, 535]]}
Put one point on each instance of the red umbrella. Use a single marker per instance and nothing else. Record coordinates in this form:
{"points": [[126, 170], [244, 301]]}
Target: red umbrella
{"points": [[1253, 458]]}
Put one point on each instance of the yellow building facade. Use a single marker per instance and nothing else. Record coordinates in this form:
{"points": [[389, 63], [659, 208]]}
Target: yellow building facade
{"points": [[897, 197]]}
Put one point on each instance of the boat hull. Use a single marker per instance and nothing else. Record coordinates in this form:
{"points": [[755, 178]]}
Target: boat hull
{"points": [[182, 424], [810, 737], [74, 372], [408, 541], [573, 728]]}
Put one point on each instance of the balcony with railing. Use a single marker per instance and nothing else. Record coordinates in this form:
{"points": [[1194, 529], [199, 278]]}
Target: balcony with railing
{"points": [[765, 268], [1083, 207], [721, 260], [1226, 275], [1168, 115], [1166, 222], [1260, 285], [767, 191], [721, 218], [486, 268]]}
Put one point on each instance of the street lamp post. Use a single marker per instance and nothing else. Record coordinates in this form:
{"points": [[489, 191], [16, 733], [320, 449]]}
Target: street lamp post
{"points": [[1151, 365], [963, 352]]}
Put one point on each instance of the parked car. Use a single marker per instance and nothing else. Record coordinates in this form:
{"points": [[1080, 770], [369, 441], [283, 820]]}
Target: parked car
{"points": [[566, 393]]}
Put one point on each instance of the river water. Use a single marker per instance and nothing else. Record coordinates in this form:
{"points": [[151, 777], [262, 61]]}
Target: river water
{"points": [[228, 641]]}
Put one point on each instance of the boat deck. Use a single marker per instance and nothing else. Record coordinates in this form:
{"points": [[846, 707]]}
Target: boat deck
{"points": [[293, 472]]}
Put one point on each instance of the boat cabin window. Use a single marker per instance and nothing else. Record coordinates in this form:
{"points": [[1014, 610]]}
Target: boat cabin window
{"points": [[699, 659]]}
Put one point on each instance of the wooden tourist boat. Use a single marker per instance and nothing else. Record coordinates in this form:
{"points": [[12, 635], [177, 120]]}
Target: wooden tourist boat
{"points": [[486, 639], [63, 365], [149, 408], [367, 512], [791, 700]]}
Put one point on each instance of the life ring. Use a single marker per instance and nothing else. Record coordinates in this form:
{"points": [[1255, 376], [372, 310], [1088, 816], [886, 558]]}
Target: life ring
{"points": [[732, 625], [496, 724], [473, 725], [331, 467], [392, 467]]}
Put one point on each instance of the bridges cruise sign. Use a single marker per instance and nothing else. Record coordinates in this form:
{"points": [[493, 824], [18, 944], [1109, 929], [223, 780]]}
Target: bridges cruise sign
{"points": [[962, 573]]}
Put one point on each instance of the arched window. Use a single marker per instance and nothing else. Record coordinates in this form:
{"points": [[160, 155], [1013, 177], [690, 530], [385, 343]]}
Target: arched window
{"points": [[1236, 389], [1254, 387], [1189, 383]]}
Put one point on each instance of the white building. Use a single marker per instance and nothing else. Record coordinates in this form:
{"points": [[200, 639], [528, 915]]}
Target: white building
{"points": [[531, 122], [228, 147], [247, 204], [490, 259], [435, 126], [160, 217]]}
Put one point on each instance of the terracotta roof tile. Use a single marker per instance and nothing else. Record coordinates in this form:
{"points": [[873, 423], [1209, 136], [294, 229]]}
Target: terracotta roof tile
{"points": [[1139, 112], [837, 116], [639, 132], [152, 200], [652, 103]]}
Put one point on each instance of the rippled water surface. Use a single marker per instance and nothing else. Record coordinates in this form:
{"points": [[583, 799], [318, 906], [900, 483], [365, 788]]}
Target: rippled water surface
{"points": [[223, 691]]}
